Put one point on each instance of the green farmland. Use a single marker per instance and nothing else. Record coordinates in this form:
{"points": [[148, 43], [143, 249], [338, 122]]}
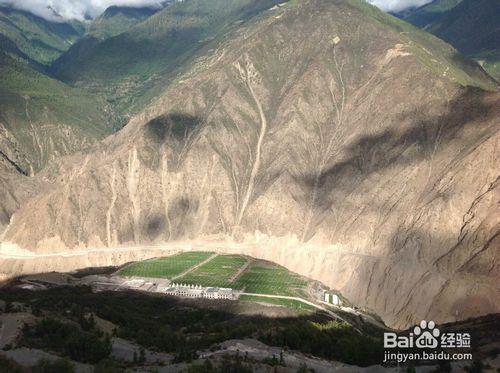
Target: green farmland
{"points": [[235, 271], [265, 278], [217, 272], [165, 267]]}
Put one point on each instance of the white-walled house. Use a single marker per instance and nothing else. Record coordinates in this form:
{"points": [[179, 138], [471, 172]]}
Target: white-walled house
{"points": [[331, 299], [197, 291]]}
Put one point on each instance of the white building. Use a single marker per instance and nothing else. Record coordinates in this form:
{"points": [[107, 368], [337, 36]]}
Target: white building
{"points": [[133, 284], [332, 299], [197, 291], [219, 293]]}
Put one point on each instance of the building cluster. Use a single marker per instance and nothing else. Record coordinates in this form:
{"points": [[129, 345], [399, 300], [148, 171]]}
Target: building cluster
{"points": [[197, 291], [331, 298], [157, 285]]}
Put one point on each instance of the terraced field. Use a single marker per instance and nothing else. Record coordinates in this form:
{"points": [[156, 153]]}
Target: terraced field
{"points": [[258, 277], [216, 272], [167, 267], [266, 278]]}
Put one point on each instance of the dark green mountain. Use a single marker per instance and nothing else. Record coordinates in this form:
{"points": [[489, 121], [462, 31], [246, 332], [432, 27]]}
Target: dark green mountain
{"points": [[429, 13], [38, 39], [127, 66], [471, 26], [116, 20]]}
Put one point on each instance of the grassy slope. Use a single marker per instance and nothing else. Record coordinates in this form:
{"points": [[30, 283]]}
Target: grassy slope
{"points": [[116, 20], [171, 325], [165, 267], [41, 40], [471, 26], [132, 68], [32, 106], [259, 277], [267, 279], [438, 56], [126, 66], [429, 13], [216, 272]]}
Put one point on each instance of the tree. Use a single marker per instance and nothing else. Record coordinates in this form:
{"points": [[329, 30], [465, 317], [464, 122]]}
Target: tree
{"points": [[108, 366], [59, 366], [142, 355]]}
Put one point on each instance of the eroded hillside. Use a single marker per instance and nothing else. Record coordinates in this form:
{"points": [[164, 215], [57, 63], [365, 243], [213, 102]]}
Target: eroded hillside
{"points": [[326, 120], [42, 119]]}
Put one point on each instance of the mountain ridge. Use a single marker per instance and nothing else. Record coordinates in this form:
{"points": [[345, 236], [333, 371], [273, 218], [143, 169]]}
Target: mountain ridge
{"points": [[41, 40], [470, 26], [286, 128], [116, 20], [42, 118]]}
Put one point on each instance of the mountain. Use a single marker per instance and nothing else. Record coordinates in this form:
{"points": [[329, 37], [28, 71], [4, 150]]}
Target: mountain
{"points": [[326, 136], [471, 26], [42, 119], [429, 13], [154, 50], [116, 20], [40, 40]]}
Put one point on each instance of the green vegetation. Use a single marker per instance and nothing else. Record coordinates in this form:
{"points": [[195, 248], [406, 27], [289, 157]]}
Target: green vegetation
{"points": [[172, 325], [165, 267], [289, 303], [59, 366], [116, 20], [259, 277], [216, 272], [436, 55], [68, 339], [30, 99], [333, 340], [134, 66], [429, 13], [40, 40], [264, 278], [490, 61], [471, 26]]}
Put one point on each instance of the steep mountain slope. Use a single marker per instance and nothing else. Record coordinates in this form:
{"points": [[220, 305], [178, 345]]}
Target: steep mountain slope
{"points": [[116, 20], [42, 119], [15, 189], [40, 40], [347, 133], [128, 66], [471, 26], [429, 13]]}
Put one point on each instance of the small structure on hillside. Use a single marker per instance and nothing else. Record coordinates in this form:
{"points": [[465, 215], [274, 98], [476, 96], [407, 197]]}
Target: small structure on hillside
{"points": [[331, 298], [197, 291]]}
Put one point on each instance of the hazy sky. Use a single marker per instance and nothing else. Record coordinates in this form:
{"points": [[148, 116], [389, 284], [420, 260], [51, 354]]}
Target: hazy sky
{"points": [[80, 9], [73, 9], [397, 5]]}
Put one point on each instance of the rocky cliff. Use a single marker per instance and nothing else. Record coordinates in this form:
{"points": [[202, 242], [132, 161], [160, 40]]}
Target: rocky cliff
{"points": [[372, 146]]}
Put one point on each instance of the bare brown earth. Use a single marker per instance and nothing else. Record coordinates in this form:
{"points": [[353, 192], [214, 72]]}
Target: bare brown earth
{"points": [[364, 151]]}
